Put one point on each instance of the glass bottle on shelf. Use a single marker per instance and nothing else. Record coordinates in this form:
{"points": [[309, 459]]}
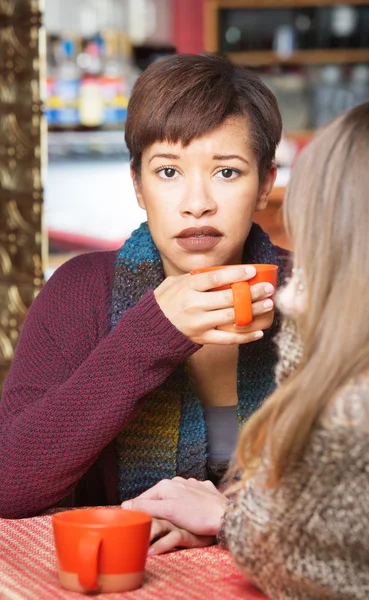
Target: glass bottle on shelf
{"points": [[332, 95], [359, 84], [66, 80], [91, 102], [114, 86], [122, 66], [344, 22], [291, 90]]}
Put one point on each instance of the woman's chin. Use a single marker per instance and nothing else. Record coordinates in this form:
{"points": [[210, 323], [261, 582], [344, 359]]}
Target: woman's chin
{"points": [[185, 262]]}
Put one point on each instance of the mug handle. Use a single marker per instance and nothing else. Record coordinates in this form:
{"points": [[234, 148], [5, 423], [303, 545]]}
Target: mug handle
{"points": [[242, 303], [88, 555]]}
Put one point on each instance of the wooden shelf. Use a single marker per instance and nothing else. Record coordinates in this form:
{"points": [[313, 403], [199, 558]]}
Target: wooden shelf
{"points": [[300, 134], [300, 57], [225, 4], [212, 8]]}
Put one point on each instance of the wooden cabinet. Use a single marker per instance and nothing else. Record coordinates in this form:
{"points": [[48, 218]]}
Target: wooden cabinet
{"points": [[325, 52], [313, 54]]}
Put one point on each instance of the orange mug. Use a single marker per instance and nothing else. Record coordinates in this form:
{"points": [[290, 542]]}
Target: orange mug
{"points": [[241, 290], [101, 549]]}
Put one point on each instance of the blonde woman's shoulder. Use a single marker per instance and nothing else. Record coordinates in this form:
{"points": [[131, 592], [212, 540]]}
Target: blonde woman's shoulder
{"points": [[350, 406]]}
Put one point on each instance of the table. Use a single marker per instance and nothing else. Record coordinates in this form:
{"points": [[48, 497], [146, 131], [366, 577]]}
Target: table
{"points": [[28, 570]]}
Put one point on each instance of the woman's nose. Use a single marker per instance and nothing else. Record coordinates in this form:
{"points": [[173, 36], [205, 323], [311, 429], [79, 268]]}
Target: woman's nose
{"points": [[291, 299], [198, 199]]}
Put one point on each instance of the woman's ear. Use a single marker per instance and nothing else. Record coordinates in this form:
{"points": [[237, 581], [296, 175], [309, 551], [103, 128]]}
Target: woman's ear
{"points": [[137, 186], [266, 187]]}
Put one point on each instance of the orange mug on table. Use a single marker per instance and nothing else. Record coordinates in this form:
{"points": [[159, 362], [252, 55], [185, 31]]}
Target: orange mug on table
{"points": [[101, 549], [241, 291]]}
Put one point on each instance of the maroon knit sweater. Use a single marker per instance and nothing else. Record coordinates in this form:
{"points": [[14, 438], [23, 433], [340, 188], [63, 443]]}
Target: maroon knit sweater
{"points": [[74, 385]]}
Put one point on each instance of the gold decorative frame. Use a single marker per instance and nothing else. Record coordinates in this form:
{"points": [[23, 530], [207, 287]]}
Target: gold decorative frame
{"points": [[22, 154]]}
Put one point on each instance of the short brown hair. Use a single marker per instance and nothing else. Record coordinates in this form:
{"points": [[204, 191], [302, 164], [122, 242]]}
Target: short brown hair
{"points": [[184, 96]]}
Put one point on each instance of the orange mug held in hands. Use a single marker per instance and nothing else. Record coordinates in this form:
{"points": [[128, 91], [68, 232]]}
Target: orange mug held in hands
{"points": [[101, 549], [241, 289]]}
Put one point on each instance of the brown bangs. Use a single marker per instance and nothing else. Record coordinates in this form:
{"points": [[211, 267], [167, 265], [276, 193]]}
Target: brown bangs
{"points": [[183, 97]]}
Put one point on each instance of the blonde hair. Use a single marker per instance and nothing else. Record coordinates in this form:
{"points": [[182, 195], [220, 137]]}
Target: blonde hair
{"points": [[326, 211]]}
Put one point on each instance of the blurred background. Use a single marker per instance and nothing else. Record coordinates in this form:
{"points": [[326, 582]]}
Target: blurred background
{"points": [[67, 68], [95, 51], [313, 55]]}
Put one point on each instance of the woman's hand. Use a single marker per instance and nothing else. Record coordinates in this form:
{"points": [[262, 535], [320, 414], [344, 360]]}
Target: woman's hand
{"points": [[166, 537], [196, 506], [188, 302]]}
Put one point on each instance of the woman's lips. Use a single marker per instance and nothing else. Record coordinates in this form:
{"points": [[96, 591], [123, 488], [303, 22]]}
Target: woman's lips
{"points": [[199, 239]]}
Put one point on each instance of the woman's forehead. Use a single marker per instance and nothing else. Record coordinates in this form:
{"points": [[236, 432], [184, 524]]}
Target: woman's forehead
{"points": [[231, 138]]}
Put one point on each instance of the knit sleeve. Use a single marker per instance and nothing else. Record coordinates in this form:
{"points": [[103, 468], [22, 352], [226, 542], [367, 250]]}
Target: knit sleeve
{"points": [[309, 536], [73, 385]]}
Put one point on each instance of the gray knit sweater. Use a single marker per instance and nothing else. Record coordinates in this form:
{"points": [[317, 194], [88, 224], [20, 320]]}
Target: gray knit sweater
{"points": [[308, 539]]}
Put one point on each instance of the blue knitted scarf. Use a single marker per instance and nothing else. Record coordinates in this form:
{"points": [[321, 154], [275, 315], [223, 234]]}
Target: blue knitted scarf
{"points": [[168, 437]]}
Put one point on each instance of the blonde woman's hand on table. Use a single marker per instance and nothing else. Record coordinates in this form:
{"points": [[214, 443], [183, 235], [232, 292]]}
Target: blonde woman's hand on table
{"points": [[166, 537], [194, 506]]}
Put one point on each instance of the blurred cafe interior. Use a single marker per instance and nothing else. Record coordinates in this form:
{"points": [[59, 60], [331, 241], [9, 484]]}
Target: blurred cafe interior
{"points": [[67, 68]]}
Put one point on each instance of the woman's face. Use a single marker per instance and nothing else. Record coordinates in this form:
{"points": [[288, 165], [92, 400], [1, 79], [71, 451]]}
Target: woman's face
{"points": [[200, 200]]}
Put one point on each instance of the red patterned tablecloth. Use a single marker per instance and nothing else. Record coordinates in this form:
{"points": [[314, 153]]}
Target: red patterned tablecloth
{"points": [[28, 570]]}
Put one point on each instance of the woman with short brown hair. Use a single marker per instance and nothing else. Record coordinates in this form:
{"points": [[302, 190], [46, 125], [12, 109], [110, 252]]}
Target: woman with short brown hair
{"points": [[123, 372]]}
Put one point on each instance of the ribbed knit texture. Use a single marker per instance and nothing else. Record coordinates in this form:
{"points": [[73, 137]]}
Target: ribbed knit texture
{"points": [[168, 437], [73, 386], [307, 538], [290, 349]]}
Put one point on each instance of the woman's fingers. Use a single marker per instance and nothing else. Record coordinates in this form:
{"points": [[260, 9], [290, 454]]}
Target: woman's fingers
{"points": [[171, 537], [260, 297], [166, 543], [261, 291], [227, 338], [226, 316], [199, 313], [203, 282], [161, 509], [208, 484], [159, 528], [262, 307], [225, 299], [186, 504]]}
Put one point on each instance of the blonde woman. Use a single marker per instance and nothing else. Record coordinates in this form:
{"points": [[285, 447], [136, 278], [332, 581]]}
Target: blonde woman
{"points": [[298, 524]]}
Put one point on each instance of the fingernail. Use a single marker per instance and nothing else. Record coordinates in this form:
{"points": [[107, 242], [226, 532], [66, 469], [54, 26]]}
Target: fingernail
{"points": [[250, 271], [259, 334], [127, 504], [268, 304], [151, 551], [269, 289]]}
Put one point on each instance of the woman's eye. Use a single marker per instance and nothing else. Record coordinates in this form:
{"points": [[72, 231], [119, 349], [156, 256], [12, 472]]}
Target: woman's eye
{"points": [[228, 174], [168, 173]]}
